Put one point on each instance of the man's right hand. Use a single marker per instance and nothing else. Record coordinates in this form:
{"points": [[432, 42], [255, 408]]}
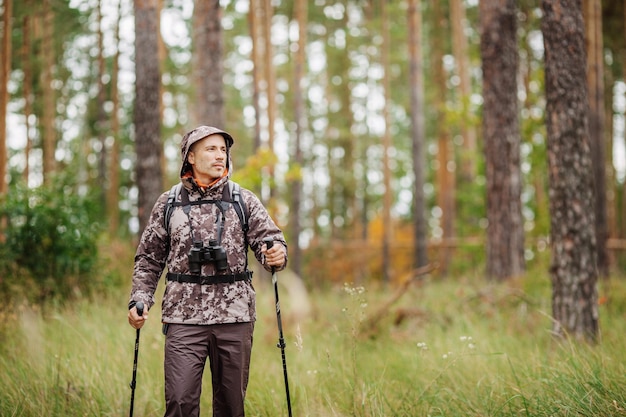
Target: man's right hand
{"points": [[135, 320]]}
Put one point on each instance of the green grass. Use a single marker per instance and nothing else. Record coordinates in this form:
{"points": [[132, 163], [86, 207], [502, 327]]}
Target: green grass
{"points": [[461, 348]]}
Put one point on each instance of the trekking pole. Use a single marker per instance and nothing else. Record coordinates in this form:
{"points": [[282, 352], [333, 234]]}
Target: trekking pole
{"points": [[281, 340], [133, 383]]}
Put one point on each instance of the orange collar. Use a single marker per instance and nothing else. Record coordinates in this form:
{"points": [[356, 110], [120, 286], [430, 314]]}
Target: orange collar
{"points": [[189, 174]]}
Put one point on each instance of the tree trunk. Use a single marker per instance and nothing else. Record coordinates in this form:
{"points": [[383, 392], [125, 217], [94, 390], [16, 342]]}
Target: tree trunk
{"points": [[268, 14], [445, 174], [573, 268], [597, 139], [461, 58], [27, 88], [147, 116], [113, 210], [163, 55], [416, 85], [388, 196], [623, 205], [270, 78], [346, 203], [505, 232], [301, 10], [101, 116], [327, 142], [207, 64], [5, 54], [256, 67], [611, 181], [48, 93]]}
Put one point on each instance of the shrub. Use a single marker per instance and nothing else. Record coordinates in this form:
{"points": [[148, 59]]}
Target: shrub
{"points": [[49, 245]]}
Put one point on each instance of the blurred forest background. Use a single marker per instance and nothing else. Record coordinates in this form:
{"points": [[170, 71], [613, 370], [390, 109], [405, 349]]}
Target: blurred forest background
{"points": [[478, 138]]}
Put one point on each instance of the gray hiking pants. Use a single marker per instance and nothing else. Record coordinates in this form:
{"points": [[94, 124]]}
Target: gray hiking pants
{"points": [[228, 347]]}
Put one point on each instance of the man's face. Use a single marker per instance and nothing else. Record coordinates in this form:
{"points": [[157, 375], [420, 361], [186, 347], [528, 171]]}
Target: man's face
{"points": [[208, 158]]}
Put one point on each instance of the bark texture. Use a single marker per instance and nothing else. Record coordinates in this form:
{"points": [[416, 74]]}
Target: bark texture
{"points": [[420, 227], [147, 109], [573, 268], [498, 45], [597, 137], [5, 54], [207, 65]]}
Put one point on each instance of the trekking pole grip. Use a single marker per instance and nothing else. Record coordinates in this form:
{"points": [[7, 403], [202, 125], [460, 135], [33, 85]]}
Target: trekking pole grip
{"points": [[139, 306], [269, 242]]}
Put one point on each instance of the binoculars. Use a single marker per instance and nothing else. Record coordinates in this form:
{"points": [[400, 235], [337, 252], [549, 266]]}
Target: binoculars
{"points": [[200, 255]]}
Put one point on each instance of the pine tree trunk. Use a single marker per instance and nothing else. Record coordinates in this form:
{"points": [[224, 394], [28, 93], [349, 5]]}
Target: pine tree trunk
{"points": [[461, 57], [505, 232], [445, 175], [597, 139], [573, 268], [420, 229], [5, 54], [622, 215], [256, 68], [388, 196], [623, 202], [268, 14], [327, 142], [48, 93], [207, 64], [27, 88], [101, 116], [163, 55], [270, 78], [147, 114], [611, 180], [301, 10], [346, 204], [114, 168]]}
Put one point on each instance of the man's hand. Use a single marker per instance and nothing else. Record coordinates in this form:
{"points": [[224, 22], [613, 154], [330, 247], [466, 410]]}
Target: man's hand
{"points": [[135, 320], [276, 255]]}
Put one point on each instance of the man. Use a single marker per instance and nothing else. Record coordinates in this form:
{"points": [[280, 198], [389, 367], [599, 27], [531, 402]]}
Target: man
{"points": [[208, 307]]}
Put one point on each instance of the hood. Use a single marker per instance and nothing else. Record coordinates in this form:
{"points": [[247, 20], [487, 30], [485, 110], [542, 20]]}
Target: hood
{"points": [[194, 136]]}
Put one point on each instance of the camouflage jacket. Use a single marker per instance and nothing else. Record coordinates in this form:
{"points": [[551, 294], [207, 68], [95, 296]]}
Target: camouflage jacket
{"points": [[192, 303]]}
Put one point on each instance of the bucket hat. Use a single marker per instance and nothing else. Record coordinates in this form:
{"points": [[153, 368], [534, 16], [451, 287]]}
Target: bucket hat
{"points": [[194, 136]]}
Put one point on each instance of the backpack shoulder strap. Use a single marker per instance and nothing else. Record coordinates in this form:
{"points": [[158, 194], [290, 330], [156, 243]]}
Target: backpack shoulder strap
{"points": [[232, 193], [239, 204], [171, 198]]}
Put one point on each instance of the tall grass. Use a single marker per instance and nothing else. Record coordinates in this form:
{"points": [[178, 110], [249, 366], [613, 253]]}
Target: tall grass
{"points": [[446, 348]]}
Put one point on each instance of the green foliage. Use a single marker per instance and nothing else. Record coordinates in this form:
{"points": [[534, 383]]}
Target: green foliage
{"points": [[251, 174], [50, 240]]}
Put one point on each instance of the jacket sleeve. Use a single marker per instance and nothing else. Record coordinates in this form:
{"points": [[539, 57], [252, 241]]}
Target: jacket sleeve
{"points": [[151, 256], [261, 226]]}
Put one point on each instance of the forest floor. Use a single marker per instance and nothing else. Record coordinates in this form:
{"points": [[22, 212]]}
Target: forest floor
{"points": [[453, 347]]}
